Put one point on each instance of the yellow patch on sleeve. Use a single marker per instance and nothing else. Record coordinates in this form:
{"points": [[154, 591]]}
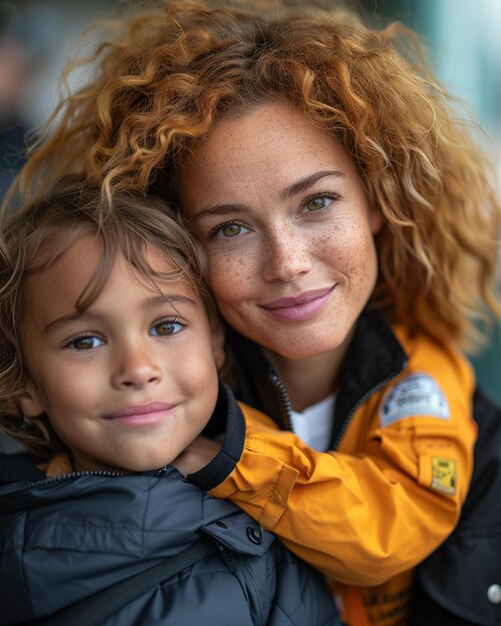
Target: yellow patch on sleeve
{"points": [[443, 475]]}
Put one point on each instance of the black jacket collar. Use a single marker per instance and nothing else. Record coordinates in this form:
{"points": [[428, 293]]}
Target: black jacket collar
{"points": [[375, 356], [228, 419]]}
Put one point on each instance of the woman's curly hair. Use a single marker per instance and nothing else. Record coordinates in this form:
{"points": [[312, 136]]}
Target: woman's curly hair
{"points": [[163, 78], [34, 238]]}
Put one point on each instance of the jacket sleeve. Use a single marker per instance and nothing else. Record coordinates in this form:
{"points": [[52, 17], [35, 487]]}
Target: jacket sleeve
{"points": [[377, 506]]}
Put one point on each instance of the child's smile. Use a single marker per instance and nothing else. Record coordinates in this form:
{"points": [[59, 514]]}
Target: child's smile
{"points": [[128, 382]]}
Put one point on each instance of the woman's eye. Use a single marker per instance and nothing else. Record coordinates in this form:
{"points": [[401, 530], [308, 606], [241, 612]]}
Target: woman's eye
{"points": [[228, 230], [319, 203], [166, 328], [86, 342]]}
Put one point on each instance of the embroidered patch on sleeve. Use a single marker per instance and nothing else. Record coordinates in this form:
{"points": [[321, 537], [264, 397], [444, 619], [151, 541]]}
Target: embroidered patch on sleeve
{"points": [[443, 475], [418, 394]]}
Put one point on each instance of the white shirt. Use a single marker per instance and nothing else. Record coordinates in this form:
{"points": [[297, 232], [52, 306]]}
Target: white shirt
{"points": [[314, 425]]}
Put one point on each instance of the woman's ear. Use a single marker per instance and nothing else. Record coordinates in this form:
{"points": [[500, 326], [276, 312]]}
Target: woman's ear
{"points": [[376, 220], [30, 401], [218, 344]]}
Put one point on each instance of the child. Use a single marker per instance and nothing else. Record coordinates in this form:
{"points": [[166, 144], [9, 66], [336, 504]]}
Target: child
{"points": [[352, 233], [108, 355]]}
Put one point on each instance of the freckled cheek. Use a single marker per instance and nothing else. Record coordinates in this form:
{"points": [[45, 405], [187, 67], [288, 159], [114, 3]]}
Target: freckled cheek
{"points": [[362, 262], [350, 249], [232, 279], [328, 247]]}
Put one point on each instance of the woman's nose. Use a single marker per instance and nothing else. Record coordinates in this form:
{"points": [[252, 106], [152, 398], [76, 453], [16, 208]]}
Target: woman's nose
{"points": [[136, 367], [287, 255]]}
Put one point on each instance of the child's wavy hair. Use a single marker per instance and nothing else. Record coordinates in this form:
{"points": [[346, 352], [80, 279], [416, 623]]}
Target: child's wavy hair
{"points": [[34, 238], [163, 78]]}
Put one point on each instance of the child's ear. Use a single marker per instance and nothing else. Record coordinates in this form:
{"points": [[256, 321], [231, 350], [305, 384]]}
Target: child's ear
{"points": [[30, 401], [218, 344]]}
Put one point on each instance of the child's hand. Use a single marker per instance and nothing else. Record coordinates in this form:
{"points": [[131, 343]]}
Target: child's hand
{"points": [[197, 455]]}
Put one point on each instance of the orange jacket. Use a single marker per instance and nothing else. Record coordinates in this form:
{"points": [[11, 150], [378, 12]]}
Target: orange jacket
{"points": [[390, 492]]}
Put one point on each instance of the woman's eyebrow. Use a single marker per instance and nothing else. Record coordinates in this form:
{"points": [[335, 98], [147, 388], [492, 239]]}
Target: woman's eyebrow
{"points": [[219, 209], [304, 183], [288, 192]]}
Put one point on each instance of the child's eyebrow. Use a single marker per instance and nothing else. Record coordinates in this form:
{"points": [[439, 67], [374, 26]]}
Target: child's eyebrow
{"points": [[87, 315], [67, 319], [170, 299]]}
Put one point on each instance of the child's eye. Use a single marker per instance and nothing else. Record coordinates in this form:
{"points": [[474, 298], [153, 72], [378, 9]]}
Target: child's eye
{"points": [[229, 230], [85, 342], [166, 328], [319, 203]]}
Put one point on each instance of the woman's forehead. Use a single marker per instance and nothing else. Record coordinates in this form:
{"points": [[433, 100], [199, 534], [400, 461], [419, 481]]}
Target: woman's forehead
{"points": [[271, 145]]}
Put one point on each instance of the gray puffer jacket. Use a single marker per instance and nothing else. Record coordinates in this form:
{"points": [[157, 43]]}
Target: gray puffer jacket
{"points": [[64, 538]]}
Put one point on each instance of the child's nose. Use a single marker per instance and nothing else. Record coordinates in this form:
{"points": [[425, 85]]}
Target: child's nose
{"points": [[136, 367]]}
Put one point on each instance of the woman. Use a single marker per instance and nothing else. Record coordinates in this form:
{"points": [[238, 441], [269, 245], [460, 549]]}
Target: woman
{"points": [[351, 233]]}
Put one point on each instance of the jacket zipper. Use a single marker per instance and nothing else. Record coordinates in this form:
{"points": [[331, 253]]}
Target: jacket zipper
{"points": [[286, 403], [53, 479], [287, 408], [364, 399]]}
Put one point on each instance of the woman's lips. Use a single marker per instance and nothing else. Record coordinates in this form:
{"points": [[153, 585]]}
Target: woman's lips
{"points": [[141, 413], [299, 308]]}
